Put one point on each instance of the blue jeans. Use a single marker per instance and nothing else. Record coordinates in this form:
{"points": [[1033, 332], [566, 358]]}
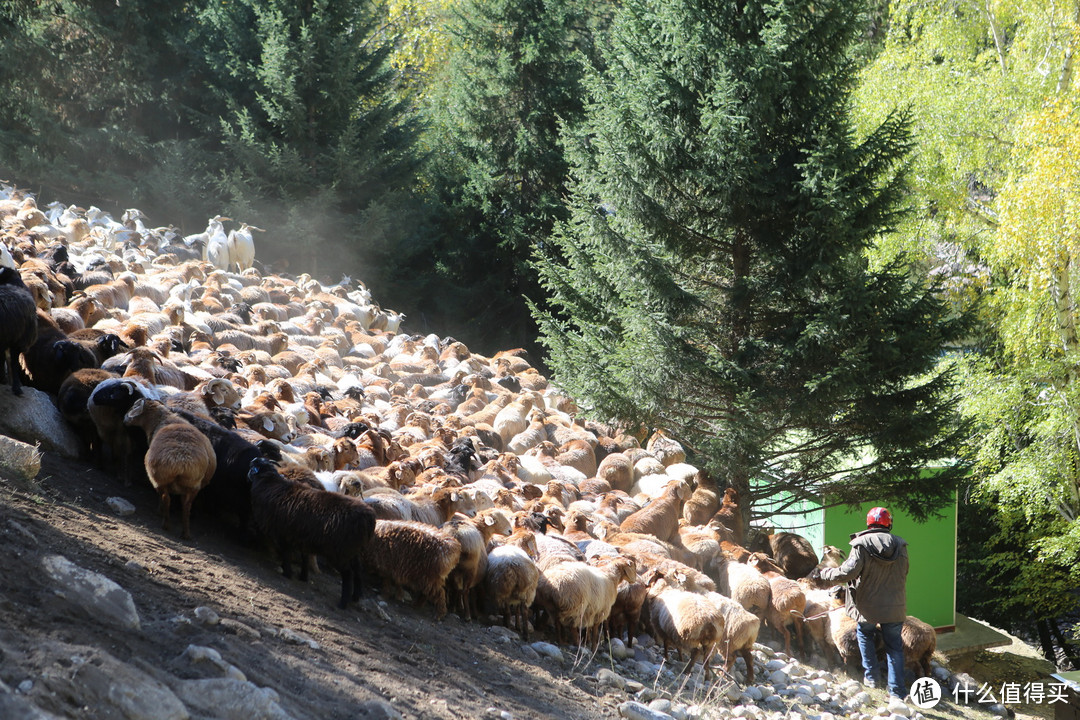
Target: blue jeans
{"points": [[894, 652]]}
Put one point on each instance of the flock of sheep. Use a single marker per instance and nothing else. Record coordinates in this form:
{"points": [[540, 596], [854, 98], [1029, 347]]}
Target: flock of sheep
{"points": [[299, 414]]}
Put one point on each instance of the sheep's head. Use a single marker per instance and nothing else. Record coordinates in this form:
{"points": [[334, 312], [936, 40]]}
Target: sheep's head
{"points": [[832, 556], [261, 467]]}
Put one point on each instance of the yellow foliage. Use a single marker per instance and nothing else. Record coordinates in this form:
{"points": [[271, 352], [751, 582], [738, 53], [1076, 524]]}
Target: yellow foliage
{"points": [[422, 43], [1039, 237]]}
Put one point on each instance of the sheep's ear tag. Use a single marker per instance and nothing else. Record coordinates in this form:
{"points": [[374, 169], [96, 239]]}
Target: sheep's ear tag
{"points": [[454, 497], [268, 425], [488, 520], [680, 577]]}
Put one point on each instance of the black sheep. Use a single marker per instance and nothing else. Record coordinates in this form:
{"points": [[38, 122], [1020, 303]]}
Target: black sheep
{"points": [[72, 400], [18, 324], [53, 356], [296, 517], [102, 344], [229, 490], [462, 459]]}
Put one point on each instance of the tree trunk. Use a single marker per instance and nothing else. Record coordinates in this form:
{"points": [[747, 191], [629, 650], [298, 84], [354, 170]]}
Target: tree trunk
{"points": [[999, 41], [1045, 640], [1066, 647], [1065, 76]]}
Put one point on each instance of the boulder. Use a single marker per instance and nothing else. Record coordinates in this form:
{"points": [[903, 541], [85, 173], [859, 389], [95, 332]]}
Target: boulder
{"points": [[93, 678], [19, 461], [99, 596], [231, 699], [33, 418]]}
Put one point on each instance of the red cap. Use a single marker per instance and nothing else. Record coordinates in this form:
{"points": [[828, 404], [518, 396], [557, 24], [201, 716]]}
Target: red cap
{"points": [[879, 516]]}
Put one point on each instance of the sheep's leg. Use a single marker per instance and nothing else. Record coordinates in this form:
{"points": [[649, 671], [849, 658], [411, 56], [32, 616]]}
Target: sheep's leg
{"points": [[163, 507], [346, 585], [784, 633], [185, 513], [800, 637], [748, 658], [305, 561], [16, 386], [286, 565], [523, 620], [354, 566], [690, 663]]}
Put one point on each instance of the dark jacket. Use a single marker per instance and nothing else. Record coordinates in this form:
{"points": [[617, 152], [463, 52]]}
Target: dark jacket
{"points": [[877, 572]]}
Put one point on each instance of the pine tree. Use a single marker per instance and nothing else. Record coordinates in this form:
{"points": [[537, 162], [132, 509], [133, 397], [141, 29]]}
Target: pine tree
{"points": [[714, 282], [511, 79], [313, 143], [86, 111]]}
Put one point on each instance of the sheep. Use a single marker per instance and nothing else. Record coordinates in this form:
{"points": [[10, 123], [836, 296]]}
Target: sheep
{"points": [[580, 595], [179, 460], [579, 455], [741, 627], [109, 402], [241, 247], [626, 611], [793, 553], [704, 502], [229, 490], [52, 357], [786, 596], [512, 578], [730, 515], [415, 556], [18, 325], [101, 344], [666, 449], [660, 517], [472, 565], [920, 642], [294, 515], [819, 603], [72, 400], [684, 619]]}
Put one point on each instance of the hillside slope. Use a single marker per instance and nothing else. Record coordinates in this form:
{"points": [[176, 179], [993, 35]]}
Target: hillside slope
{"points": [[389, 652]]}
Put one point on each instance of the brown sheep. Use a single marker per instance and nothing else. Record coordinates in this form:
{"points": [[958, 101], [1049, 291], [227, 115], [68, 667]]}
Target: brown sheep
{"points": [[180, 459], [730, 515], [787, 596], [660, 517], [793, 553], [467, 576], [705, 501], [920, 642], [415, 556]]}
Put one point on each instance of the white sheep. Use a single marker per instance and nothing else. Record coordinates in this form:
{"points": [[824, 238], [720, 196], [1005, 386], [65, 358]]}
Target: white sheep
{"points": [[242, 247], [512, 577], [579, 595], [684, 619]]}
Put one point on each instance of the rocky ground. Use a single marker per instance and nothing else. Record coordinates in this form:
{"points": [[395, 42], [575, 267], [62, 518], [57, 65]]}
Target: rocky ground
{"points": [[210, 629]]}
